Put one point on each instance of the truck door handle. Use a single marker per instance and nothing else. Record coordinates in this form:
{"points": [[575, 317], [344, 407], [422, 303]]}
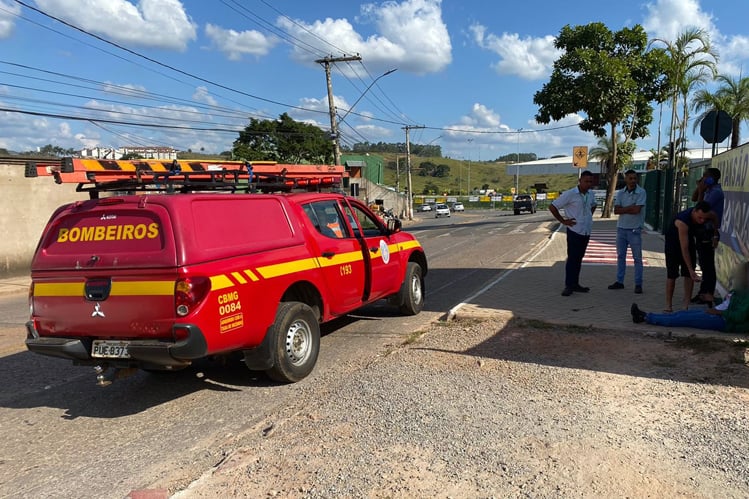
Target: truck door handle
{"points": [[328, 254], [374, 249]]}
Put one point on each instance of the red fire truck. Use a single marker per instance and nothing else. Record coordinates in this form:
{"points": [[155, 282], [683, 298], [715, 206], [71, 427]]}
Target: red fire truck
{"points": [[169, 262]]}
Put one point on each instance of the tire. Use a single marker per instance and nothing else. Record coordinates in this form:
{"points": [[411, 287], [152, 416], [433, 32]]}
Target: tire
{"points": [[517, 212], [295, 342], [411, 294]]}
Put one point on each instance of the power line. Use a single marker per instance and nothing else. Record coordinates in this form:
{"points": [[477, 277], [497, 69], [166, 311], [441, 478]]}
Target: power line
{"points": [[154, 61]]}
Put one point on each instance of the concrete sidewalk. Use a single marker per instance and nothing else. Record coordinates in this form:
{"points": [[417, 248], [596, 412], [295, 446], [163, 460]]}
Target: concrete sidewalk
{"points": [[534, 290]]}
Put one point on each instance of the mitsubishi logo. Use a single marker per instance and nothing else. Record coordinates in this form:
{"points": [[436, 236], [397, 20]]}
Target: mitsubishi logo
{"points": [[97, 311]]}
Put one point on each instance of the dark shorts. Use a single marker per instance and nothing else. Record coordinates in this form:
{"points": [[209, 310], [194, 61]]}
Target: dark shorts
{"points": [[675, 265]]}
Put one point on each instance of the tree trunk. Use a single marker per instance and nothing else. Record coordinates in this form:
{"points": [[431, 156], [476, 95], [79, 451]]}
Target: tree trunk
{"points": [[735, 135], [612, 175]]}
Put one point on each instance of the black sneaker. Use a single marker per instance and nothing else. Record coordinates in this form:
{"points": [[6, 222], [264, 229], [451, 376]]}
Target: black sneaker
{"points": [[580, 289], [616, 285], [638, 290], [638, 315], [566, 291]]}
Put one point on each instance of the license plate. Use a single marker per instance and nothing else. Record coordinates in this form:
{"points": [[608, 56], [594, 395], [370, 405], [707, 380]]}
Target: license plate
{"points": [[110, 349]]}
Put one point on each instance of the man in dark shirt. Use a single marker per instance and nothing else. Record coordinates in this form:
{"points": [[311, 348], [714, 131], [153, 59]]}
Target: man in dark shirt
{"points": [[680, 250], [709, 190]]}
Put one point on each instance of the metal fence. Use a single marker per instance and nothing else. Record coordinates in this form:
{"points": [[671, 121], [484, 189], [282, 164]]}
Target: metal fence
{"points": [[659, 186]]}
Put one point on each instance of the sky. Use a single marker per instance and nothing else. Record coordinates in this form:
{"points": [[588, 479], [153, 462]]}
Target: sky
{"points": [[191, 74]]}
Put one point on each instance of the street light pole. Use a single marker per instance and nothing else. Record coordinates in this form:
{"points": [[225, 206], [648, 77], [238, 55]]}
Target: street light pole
{"points": [[469, 166], [364, 93], [326, 62], [517, 164]]}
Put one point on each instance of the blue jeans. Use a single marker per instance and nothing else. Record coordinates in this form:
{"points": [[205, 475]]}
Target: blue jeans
{"points": [[696, 318], [576, 246], [633, 239]]}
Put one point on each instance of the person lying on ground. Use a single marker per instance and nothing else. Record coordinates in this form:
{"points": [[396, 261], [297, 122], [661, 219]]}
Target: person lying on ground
{"points": [[731, 315]]}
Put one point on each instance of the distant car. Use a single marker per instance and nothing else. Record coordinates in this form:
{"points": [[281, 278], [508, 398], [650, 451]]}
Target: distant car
{"points": [[458, 207], [523, 202], [425, 207], [441, 210]]}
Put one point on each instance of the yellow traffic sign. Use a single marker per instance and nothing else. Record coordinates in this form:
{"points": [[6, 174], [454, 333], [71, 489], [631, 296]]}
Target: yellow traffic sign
{"points": [[580, 156]]}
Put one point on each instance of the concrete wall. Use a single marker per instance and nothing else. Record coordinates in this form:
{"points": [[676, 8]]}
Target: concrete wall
{"points": [[27, 204]]}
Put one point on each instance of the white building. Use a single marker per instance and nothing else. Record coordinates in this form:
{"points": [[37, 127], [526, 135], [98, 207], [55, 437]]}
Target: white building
{"points": [[563, 165], [152, 152]]}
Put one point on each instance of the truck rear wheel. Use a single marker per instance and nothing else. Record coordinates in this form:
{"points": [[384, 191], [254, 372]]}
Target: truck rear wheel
{"points": [[411, 295], [295, 343]]}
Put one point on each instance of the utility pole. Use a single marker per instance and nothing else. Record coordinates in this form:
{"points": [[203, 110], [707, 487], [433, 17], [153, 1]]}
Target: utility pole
{"points": [[410, 209], [326, 61]]}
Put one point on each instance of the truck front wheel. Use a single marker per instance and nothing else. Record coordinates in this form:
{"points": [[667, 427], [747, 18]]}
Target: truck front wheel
{"points": [[295, 343], [411, 295]]}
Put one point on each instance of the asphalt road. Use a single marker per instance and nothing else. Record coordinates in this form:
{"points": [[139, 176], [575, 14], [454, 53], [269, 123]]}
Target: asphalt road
{"points": [[64, 436]]}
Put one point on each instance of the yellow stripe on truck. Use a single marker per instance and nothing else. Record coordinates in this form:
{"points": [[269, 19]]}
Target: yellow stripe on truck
{"points": [[134, 288], [124, 288], [59, 289], [221, 281], [286, 268]]}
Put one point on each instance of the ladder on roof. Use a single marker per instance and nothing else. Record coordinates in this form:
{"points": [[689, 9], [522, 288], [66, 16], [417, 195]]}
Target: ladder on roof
{"points": [[96, 175]]}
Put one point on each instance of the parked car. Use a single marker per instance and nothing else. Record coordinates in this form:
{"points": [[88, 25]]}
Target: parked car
{"points": [[425, 207], [441, 210], [524, 202], [458, 207]]}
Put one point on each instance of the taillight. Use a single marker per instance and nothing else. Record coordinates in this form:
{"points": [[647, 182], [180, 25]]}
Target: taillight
{"points": [[31, 300], [189, 292]]}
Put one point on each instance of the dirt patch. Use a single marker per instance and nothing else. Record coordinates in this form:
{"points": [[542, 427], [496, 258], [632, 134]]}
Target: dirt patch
{"points": [[507, 408]]}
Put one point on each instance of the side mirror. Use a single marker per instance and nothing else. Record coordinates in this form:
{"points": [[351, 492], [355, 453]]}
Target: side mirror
{"points": [[394, 225]]}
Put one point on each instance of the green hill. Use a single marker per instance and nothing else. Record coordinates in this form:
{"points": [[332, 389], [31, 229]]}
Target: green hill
{"points": [[453, 175]]}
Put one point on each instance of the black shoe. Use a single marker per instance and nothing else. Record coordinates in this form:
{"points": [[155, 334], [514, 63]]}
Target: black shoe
{"points": [[616, 285], [580, 289], [638, 290], [566, 291], [638, 315]]}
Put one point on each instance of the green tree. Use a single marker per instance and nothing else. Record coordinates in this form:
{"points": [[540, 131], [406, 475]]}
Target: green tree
{"points": [[732, 97], [608, 76], [283, 140]]}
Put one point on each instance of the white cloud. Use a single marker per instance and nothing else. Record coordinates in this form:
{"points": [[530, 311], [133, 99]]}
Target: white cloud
{"points": [[235, 44], [528, 58], [8, 11], [482, 116], [666, 19], [150, 23], [411, 36], [202, 94]]}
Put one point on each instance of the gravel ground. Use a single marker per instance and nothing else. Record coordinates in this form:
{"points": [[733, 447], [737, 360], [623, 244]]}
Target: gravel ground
{"points": [[505, 408]]}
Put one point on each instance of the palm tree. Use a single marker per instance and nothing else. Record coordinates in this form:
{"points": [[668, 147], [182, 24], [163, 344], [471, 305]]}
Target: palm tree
{"points": [[732, 97], [692, 62], [605, 151]]}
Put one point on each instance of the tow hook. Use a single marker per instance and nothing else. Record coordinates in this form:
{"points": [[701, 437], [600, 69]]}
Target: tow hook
{"points": [[105, 377]]}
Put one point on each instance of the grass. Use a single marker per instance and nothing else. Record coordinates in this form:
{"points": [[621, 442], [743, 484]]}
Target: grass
{"points": [[481, 172]]}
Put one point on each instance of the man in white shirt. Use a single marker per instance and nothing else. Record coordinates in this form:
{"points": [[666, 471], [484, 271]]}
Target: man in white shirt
{"points": [[578, 204], [629, 204]]}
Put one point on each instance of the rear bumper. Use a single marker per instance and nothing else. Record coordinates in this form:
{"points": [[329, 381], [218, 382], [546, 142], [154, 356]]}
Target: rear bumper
{"points": [[151, 352]]}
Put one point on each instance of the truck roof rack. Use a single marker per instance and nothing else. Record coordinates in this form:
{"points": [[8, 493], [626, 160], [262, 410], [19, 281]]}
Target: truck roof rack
{"points": [[181, 176]]}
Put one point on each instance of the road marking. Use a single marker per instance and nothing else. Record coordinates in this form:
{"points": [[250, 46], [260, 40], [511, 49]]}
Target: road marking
{"points": [[602, 250], [531, 255]]}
